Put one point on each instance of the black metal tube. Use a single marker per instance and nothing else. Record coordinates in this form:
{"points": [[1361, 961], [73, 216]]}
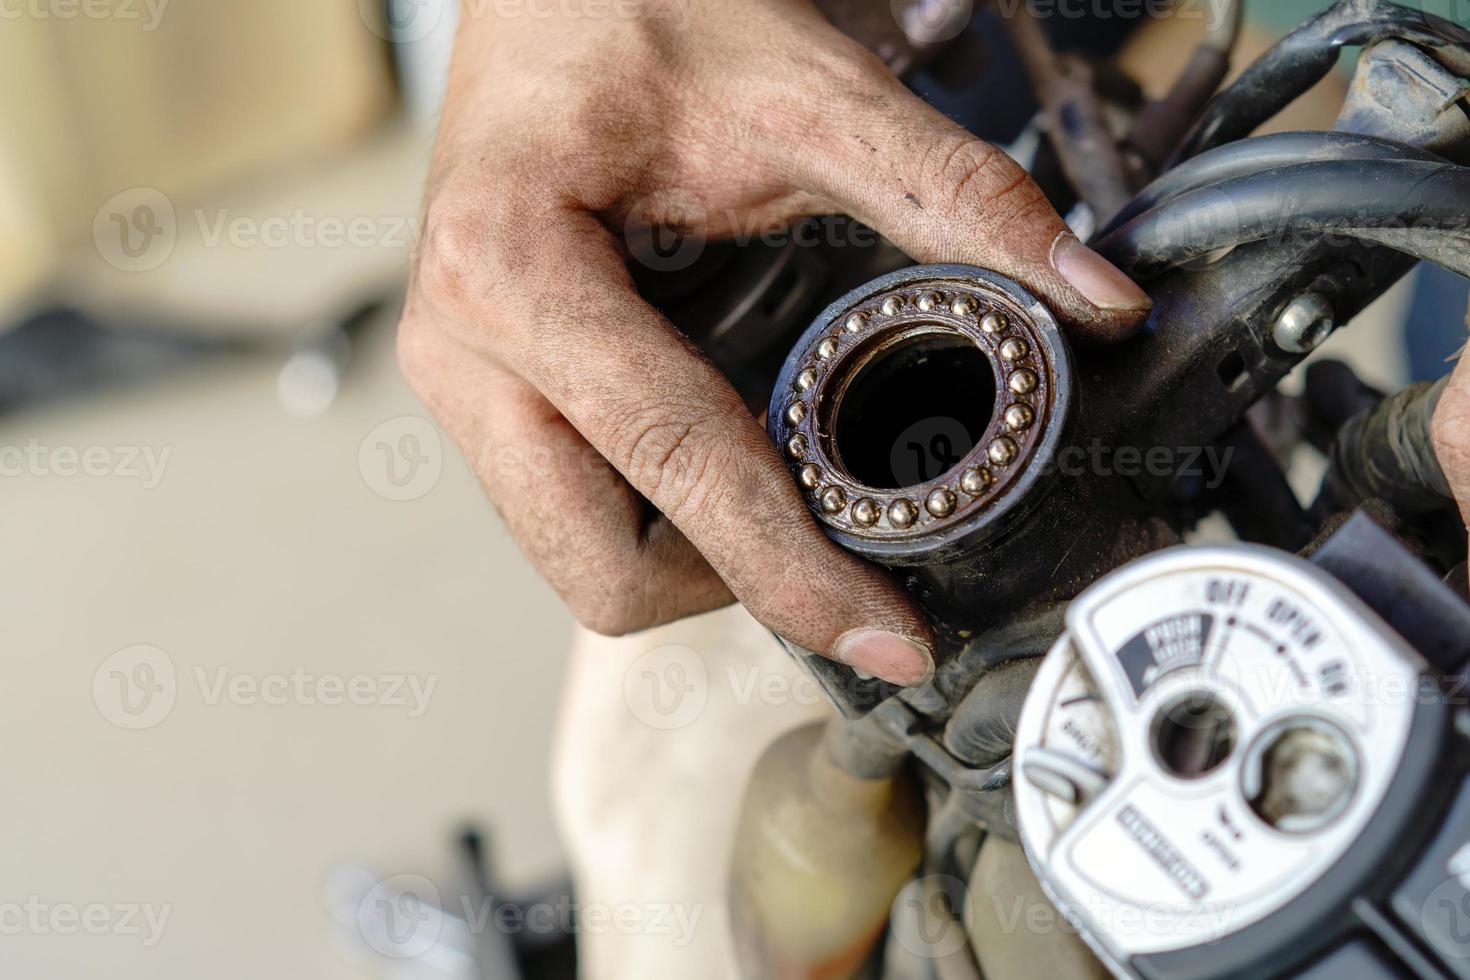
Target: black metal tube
{"points": [[1306, 55], [1417, 207], [1249, 156]]}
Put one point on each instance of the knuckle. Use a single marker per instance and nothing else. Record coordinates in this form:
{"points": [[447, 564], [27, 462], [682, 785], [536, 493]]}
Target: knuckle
{"points": [[461, 260], [1022, 205], [412, 350], [619, 603], [599, 571], [607, 616], [975, 177], [762, 586], [671, 459]]}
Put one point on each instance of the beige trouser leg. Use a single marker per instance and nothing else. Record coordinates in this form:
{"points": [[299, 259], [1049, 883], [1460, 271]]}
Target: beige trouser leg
{"points": [[658, 734], [657, 737]]}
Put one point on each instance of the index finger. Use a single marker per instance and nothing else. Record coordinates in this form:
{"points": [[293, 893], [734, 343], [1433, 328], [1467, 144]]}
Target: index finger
{"points": [[885, 156], [568, 320]]}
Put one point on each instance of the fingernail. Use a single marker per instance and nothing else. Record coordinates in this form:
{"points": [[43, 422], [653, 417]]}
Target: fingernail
{"points": [[894, 658], [1101, 282]]}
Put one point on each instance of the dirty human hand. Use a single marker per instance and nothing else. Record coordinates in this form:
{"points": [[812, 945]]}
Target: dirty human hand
{"points": [[577, 405], [1450, 431]]}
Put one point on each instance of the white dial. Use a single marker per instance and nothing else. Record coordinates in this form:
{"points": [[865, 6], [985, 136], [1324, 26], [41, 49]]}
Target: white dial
{"points": [[1211, 734]]}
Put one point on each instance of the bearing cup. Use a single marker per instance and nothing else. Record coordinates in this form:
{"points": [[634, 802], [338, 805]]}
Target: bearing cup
{"points": [[902, 347]]}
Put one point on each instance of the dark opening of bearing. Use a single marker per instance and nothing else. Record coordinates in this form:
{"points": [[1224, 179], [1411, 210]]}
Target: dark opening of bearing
{"points": [[1193, 734], [912, 411]]}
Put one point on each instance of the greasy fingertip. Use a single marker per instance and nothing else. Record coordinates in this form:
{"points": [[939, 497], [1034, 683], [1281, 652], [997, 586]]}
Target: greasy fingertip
{"points": [[1119, 302], [895, 658]]}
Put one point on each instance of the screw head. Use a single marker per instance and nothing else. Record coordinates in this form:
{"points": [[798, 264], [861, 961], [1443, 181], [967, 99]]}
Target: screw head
{"points": [[1304, 323]]}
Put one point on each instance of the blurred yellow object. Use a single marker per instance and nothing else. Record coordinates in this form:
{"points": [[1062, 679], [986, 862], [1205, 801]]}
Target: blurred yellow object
{"points": [[819, 857], [106, 96]]}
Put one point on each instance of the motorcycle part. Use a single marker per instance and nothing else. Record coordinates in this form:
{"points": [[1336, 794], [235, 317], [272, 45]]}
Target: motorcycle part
{"points": [[1387, 452], [1263, 153], [920, 415], [911, 410], [1230, 745], [1307, 54], [1304, 204]]}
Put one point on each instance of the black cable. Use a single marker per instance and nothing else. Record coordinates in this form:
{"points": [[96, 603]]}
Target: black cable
{"points": [[1418, 207], [1302, 58], [1262, 153]]}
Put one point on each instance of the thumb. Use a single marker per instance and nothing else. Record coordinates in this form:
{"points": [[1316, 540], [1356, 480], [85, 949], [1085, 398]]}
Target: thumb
{"points": [[943, 195]]}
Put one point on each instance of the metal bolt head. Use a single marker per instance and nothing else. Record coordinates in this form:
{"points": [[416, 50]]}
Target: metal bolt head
{"points": [[795, 412], [993, 322], [810, 475], [1305, 322], [865, 512], [827, 348], [855, 323], [901, 513], [1019, 416], [806, 379], [1023, 382], [890, 306], [974, 480], [940, 502], [1002, 450], [796, 446], [832, 499]]}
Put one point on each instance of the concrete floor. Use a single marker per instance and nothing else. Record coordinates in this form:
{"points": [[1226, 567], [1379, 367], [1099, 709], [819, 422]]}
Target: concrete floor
{"points": [[273, 578]]}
